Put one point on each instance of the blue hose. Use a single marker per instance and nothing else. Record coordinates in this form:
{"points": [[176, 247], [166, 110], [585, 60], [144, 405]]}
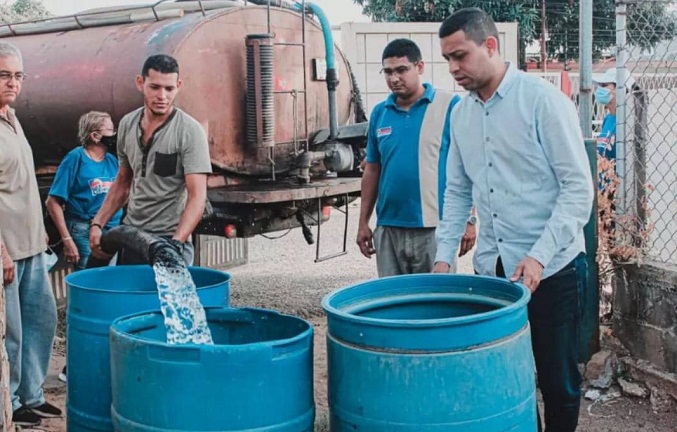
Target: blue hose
{"points": [[332, 76], [326, 31]]}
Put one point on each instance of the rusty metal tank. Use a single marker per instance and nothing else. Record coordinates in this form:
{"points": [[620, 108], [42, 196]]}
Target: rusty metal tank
{"points": [[72, 72]]}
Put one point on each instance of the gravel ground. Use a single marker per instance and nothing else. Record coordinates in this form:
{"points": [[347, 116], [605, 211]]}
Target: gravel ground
{"points": [[281, 275]]}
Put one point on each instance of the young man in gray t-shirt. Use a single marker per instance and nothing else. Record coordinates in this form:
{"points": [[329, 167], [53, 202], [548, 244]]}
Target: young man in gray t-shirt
{"points": [[164, 162]]}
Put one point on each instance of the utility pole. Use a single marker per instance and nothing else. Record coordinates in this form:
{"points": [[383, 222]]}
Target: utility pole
{"points": [[585, 62], [544, 55]]}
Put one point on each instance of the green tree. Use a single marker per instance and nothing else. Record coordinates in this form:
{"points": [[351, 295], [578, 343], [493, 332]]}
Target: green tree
{"points": [[524, 12], [23, 10], [649, 22]]}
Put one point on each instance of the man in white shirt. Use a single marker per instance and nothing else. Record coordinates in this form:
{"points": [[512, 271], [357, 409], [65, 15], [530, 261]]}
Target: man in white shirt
{"points": [[517, 153]]}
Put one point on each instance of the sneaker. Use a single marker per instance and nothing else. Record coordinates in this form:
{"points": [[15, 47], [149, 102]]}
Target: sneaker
{"points": [[62, 375], [46, 410], [25, 417]]}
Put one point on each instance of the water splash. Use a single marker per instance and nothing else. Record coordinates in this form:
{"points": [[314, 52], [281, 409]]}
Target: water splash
{"points": [[185, 317]]}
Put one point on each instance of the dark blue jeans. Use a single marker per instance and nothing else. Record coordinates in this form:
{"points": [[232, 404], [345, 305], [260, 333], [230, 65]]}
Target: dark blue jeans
{"points": [[554, 316]]}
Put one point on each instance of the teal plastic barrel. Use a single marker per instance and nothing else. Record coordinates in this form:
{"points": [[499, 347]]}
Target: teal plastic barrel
{"points": [[96, 297], [257, 377], [424, 353]]}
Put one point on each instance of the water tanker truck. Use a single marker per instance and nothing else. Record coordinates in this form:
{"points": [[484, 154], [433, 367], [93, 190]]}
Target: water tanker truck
{"points": [[278, 101]]}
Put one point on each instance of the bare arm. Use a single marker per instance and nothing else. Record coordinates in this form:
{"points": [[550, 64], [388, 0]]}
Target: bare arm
{"points": [[196, 185], [7, 265], [370, 182], [115, 199], [55, 208]]}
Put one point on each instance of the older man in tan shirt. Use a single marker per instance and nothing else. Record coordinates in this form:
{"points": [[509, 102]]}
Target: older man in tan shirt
{"points": [[30, 305]]}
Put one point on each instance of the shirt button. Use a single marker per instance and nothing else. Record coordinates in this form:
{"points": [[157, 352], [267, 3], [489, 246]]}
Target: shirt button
{"points": [[495, 215], [486, 113], [491, 190], [500, 240], [487, 139], [491, 164]]}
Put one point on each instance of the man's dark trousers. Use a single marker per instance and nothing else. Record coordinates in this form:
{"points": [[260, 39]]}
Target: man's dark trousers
{"points": [[555, 312]]}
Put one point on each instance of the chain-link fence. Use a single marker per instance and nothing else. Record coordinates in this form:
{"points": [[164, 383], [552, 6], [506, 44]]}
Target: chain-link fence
{"points": [[646, 135]]}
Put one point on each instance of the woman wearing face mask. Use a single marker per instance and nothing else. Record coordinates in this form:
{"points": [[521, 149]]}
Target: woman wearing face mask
{"points": [[81, 184], [605, 94]]}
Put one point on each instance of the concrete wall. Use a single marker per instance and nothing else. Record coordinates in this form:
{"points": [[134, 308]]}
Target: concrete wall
{"points": [[645, 313], [363, 44]]}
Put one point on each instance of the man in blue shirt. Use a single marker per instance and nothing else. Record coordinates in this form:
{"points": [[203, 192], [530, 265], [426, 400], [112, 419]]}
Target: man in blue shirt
{"points": [[408, 140], [517, 153]]}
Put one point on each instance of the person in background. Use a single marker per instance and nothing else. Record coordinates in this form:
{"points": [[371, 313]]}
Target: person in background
{"points": [[164, 163], [80, 186], [605, 94], [517, 153], [30, 307], [404, 174]]}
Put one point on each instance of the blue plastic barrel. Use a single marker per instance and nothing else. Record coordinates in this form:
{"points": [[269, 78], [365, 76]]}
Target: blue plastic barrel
{"points": [[258, 375], [96, 297], [423, 353]]}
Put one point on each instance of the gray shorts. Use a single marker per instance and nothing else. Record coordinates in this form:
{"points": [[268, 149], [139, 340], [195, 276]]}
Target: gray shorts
{"points": [[404, 250]]}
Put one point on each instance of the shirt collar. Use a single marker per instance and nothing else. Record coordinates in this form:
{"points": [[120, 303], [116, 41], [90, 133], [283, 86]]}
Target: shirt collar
{"points": [[506, 83], [428, 96], [10, 120]]}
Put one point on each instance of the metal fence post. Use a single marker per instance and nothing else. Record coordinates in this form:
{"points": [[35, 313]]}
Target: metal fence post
{"points": [[585, 60], [622, 54]]}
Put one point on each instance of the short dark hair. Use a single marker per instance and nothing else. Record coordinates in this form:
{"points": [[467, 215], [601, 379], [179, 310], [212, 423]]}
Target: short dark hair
{"points": [[474, 22], [160, 62], [402, 48]]}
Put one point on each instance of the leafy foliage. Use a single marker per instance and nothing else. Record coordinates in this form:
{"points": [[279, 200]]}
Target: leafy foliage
{"points": [[23, 10], [648, 22], [524, 12]]}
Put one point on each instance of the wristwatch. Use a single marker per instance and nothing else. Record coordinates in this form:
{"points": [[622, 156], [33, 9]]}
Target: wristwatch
{"points": [[472, 220], [94, 224]]}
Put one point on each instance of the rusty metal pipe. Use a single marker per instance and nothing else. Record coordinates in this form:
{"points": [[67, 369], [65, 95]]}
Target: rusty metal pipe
{"points": [[260, 108]]}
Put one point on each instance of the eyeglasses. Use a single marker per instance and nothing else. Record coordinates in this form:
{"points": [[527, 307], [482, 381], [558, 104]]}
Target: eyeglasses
{"points": [[6, 76], [399, 71]]}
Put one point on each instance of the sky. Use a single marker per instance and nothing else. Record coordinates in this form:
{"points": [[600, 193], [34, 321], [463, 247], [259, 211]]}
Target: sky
{"points": [[337, 11]]}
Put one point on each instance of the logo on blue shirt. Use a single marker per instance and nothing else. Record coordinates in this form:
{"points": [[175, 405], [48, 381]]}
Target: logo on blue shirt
{"points": [[100, 185], [384, 131]]}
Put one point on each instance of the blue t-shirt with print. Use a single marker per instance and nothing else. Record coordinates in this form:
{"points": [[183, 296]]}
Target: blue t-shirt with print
{"points": [[606, 141], [606, 145], [408, 153], [83, 184]]}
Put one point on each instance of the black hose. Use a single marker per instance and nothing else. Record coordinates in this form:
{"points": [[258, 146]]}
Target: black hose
{"points": [[360, 111], [151, 248]]}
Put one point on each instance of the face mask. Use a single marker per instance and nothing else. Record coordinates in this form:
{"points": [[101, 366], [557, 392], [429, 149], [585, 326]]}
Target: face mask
{"points": [[109, 141], [603, 95]]}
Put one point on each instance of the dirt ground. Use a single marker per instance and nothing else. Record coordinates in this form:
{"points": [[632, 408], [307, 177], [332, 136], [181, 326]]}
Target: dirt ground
{"points": [[282, 275]]}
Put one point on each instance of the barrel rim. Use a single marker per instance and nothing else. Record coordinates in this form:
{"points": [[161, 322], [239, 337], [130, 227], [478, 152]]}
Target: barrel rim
{"points": [[335, 312], [116, 332], [69, 279]]}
